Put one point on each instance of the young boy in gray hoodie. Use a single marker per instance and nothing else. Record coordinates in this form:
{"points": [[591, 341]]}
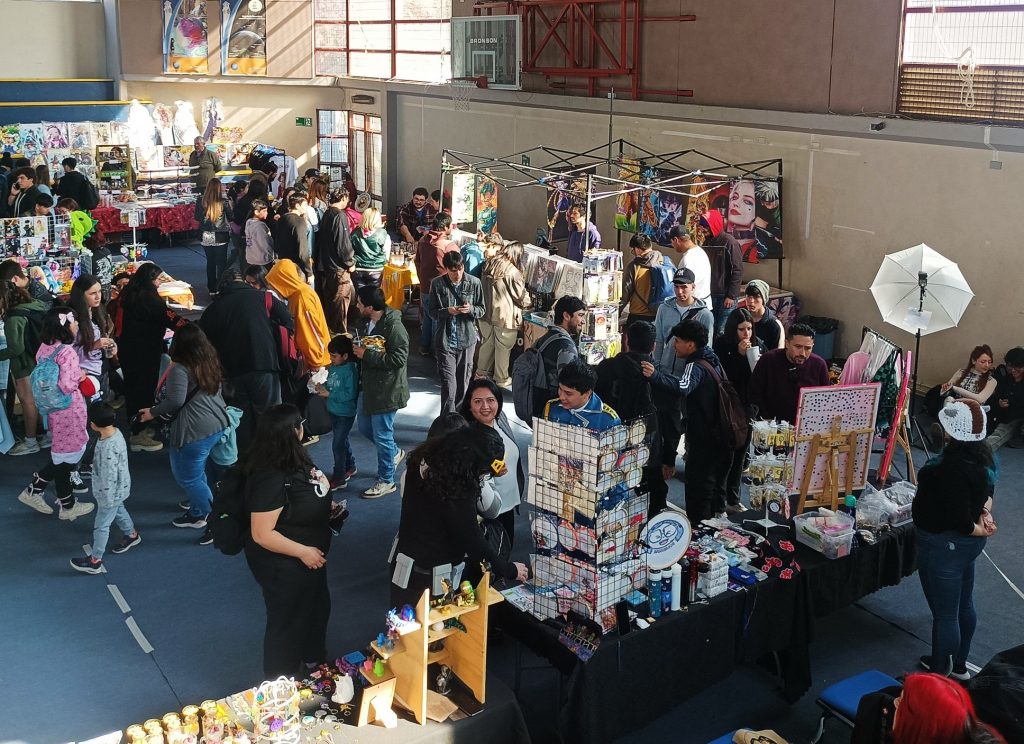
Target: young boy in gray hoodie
{"points": [[111, 485]]}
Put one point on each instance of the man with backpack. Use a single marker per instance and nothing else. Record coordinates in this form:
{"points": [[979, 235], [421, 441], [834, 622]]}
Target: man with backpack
{"points": [[622, 385], [535, 372], [647, 281], [73, 185], [23, 327], [707, 457]]}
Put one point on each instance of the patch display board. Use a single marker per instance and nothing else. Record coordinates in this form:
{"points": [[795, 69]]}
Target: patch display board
{"points": [[487, 46], [856, 406]]}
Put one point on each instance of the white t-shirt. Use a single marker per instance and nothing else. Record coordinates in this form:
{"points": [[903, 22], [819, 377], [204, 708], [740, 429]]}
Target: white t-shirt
{"points": [[506, 488], [697, 261]]}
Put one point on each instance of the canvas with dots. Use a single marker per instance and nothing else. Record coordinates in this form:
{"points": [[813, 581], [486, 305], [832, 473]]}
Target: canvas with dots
{"points": [[857, 407]]}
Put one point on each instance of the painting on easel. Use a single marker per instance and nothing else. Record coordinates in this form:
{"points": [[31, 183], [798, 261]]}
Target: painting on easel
{"points": [[834, 433]]}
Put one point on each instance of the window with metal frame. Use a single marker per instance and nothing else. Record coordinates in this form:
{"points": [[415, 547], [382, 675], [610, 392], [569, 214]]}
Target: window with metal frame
{"points": [[383, 39], [366, 147], [963, 60]]}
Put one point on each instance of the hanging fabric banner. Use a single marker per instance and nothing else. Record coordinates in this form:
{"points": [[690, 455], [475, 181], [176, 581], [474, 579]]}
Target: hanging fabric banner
{"points": [[627, 203], [463, 197], [243, 43], [486, 206], [185, 42], [752, 213]]}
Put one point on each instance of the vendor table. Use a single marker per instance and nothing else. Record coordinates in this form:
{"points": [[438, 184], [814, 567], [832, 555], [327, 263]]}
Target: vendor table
{"points": [[394, 282], [631, 680], [167, 220]]}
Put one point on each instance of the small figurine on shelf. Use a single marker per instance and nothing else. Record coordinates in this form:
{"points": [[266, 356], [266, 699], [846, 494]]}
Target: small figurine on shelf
{"points": [[402, 621], [467, 595], [378, 668], [454, 622]]}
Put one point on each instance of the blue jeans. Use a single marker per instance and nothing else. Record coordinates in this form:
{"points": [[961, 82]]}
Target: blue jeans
{"points": [[426, 322], [945, 564], [721, 313], [379, 428], [105, 515], [188, 466], [343, 458]]}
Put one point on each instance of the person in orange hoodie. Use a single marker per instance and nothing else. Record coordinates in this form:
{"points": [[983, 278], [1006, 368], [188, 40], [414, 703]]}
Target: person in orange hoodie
{"points": [[311, 332]]}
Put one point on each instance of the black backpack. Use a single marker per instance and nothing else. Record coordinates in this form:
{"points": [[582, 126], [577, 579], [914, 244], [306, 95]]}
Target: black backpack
{"points": [[229, 519], [92, 195], [731, 424], [33, 328]]}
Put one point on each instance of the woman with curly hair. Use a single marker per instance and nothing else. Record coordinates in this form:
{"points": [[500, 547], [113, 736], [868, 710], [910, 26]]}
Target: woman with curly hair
{"points": [[190, 399], [438, 526]]}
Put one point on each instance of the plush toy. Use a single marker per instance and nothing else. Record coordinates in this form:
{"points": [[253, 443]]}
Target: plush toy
{"points": [[82, 226]]}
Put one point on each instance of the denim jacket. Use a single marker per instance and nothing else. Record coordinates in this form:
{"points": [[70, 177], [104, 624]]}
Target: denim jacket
{"points": [[443, 295]]}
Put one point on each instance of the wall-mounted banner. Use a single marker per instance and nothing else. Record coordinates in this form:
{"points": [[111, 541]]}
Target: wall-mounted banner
{"points": [[185, 44], [243, 42]]}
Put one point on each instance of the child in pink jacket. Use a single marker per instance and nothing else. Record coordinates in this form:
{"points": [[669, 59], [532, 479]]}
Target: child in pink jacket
{"points": [[69, 425]]}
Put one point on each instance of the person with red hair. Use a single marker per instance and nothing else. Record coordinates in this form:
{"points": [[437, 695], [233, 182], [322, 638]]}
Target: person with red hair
{"points": [[930, 709]]}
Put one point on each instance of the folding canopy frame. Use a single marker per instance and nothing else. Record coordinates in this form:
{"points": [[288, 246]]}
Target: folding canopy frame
{"points": [[579, 174]]}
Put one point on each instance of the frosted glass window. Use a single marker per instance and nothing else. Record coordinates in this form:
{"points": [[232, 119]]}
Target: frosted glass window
{"points": [[370, 36], [369, 10], [422, 37], [424, 68]]}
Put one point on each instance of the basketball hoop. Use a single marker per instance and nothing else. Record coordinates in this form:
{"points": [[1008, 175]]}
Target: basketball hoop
{"points": [[461, 89]]}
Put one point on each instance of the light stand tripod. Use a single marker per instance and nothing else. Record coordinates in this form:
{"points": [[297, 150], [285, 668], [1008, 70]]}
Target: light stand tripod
{"points": [[915, 428]]}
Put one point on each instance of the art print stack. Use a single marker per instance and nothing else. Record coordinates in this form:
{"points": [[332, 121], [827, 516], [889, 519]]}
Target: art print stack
{"points": [[587, 518], [35, 237]]}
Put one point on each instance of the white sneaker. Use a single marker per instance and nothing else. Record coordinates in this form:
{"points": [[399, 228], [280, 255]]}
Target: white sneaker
{"points": [[399, 457], [378, 489], [46, 441], [77, 484], [80, 509], [25, 447], [34, 497]]}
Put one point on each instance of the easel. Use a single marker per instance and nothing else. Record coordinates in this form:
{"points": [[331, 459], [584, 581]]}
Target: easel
{"points": [[833, 444], [901, 435]]}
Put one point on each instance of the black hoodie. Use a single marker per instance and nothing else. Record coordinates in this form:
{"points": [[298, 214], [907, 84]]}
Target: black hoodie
{"points": [[622, 385]]}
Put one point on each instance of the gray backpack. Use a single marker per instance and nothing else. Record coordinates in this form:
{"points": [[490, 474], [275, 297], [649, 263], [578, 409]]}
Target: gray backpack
{"points": [[529, 375]]}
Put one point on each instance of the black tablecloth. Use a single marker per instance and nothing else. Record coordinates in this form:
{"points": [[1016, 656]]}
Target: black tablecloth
{"points": [[632, 679], [500, 722]]}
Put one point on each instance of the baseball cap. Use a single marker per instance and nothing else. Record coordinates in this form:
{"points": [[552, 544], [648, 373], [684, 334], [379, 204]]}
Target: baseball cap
{"points": [[678, 231], [311, 172], [684, 276]]}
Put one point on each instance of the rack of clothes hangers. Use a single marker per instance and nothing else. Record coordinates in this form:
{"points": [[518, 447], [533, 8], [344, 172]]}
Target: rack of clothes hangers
{"points": [[877, 360]]}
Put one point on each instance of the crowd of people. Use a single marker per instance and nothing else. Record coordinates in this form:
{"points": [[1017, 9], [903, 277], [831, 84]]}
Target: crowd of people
{"points": [[298, 313]]}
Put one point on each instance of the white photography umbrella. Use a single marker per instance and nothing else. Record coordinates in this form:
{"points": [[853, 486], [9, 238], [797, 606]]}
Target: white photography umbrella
{"points": [[920, 291]]}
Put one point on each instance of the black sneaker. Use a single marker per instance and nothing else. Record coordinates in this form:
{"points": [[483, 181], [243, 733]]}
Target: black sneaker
{"points": [[207, 538], [185, 505], [959, 672], [85, 471], [187, 520], [85, 564], [127, 543], [77, 484]]}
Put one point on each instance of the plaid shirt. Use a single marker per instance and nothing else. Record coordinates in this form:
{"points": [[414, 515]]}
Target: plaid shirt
{"points": [[407, 216]]}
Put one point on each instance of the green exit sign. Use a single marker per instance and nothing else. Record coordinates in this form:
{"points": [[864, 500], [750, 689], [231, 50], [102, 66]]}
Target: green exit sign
{"points": [[303, 121]]}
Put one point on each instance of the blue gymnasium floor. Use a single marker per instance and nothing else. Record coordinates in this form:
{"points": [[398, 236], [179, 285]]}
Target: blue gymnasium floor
{"points": [[172, 623]]}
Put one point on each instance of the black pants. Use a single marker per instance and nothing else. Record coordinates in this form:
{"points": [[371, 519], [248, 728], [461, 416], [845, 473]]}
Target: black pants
{"points": [[253, 393], [707, 469], [508, 521], [418, 583], [670, 427], [655, 486], [734, 481], [216, 262], [60, 476], [298, 607], [141, 368]]}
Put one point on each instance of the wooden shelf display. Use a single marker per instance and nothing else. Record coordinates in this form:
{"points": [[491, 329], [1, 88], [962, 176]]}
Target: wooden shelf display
{"points": [[465, 652]]}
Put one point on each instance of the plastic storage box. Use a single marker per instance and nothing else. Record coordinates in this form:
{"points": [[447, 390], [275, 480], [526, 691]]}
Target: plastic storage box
{"points": [[830, 533]]}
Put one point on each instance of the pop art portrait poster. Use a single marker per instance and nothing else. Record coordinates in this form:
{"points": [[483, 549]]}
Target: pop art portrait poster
{"points": [[243, 44], [185, 40], [627, 203], [486, 206], [752, 213]]}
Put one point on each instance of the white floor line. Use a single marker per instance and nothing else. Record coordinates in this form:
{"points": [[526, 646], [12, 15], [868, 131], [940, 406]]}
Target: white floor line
{"points": [[122, 603], [141, 639], [87, 549]]}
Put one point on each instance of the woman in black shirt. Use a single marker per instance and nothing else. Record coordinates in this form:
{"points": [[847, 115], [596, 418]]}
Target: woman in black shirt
{"points": [[438, 525], [952, 517], [738, 349], [290, 507]]}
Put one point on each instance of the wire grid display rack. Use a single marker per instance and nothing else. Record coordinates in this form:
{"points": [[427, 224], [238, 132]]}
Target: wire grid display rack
{"points": [[588, 516]]}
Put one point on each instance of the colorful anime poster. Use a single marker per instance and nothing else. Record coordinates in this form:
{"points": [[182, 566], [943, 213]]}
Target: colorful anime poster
{"points": [[62, 236], [486, 206], [80, 136], [463, 197], [662, 209], [237, 155], [751, 211], [564, 192], [627, 203], [149, 158], [227, 135], [243, 44], [54, 158], [55, 135], [185, 37], [10, 138], [31, 139], [101, 133], [176, 156]]}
